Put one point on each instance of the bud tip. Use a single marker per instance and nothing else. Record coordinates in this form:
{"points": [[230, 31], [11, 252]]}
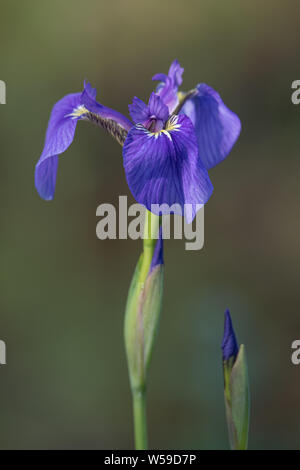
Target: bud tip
{"points": [[230, 346]]}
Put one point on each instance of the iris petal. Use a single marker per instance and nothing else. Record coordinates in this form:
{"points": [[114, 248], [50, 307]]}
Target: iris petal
{"points": [[59, 136], [217, 128], [61, 131], [157, 107], [160, 77], [164, 168], [92, 92], [90, 103], [168, 94], [175, 72], [168, 87], [138, 110], [45, 177]]}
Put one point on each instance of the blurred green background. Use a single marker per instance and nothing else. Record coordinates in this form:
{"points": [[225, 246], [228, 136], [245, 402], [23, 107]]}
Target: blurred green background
{"points": [[63, 291]]}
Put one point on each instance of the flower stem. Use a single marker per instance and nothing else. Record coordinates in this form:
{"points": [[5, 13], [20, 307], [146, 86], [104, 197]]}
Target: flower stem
{"points": [[139, 388], [140, 419], [150, 237]]}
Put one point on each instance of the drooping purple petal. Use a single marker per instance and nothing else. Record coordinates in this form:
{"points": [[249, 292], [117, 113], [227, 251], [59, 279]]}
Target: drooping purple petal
{"points": [[90, 103], [164, 168], [217, 128], [59, 136], [45, 177], [61, 129]]}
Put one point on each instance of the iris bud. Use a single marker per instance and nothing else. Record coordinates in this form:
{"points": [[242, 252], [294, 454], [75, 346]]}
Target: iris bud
{"points": [[236, 387], [142, 316]]}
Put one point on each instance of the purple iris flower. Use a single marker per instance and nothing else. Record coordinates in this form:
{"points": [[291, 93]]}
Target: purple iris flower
{"points": [[167, 149], [161, 160]]}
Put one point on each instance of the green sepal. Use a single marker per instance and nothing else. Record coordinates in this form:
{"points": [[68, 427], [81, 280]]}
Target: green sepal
{"points": [[141, 322], [237, 402]]}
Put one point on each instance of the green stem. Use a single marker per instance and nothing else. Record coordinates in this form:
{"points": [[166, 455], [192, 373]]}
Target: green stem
{"points": [[139, 394], [140, 419], [150, 237]]}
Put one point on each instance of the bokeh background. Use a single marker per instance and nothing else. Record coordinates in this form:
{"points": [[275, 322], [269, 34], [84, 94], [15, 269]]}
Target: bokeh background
{"points": [[63, 291]]}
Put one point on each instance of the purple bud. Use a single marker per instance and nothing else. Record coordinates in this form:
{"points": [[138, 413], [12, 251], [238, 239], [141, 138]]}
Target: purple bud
{"points": [[158, 254], [229, 344]]}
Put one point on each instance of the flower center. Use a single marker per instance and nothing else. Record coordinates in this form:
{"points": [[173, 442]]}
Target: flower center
{"points": [[154, 125], [158, 128]]}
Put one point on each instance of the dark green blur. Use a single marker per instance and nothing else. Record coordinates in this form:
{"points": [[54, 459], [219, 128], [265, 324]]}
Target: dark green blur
{"points": [[63, 291]]}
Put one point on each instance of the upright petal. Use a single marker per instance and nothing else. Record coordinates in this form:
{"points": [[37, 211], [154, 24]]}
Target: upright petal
{"points": [[92, 92], [168, 87], [175, 72], [59, 136], [142, 113], [168, 94], [164, 168], [217, 128], [138, 110], [157, 108]]}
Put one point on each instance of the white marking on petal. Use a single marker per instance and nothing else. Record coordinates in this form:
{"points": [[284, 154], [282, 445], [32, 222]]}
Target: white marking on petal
{"points": [[172, 124], [167, 134], [77, 112]]}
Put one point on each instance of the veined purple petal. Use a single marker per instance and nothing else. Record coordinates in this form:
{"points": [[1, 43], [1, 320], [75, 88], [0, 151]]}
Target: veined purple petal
{"points": [[59, 136], [157, 108], [61, 129], [217, 128], [164, 168], [138, 110], [45, 177], [90, 103]]}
